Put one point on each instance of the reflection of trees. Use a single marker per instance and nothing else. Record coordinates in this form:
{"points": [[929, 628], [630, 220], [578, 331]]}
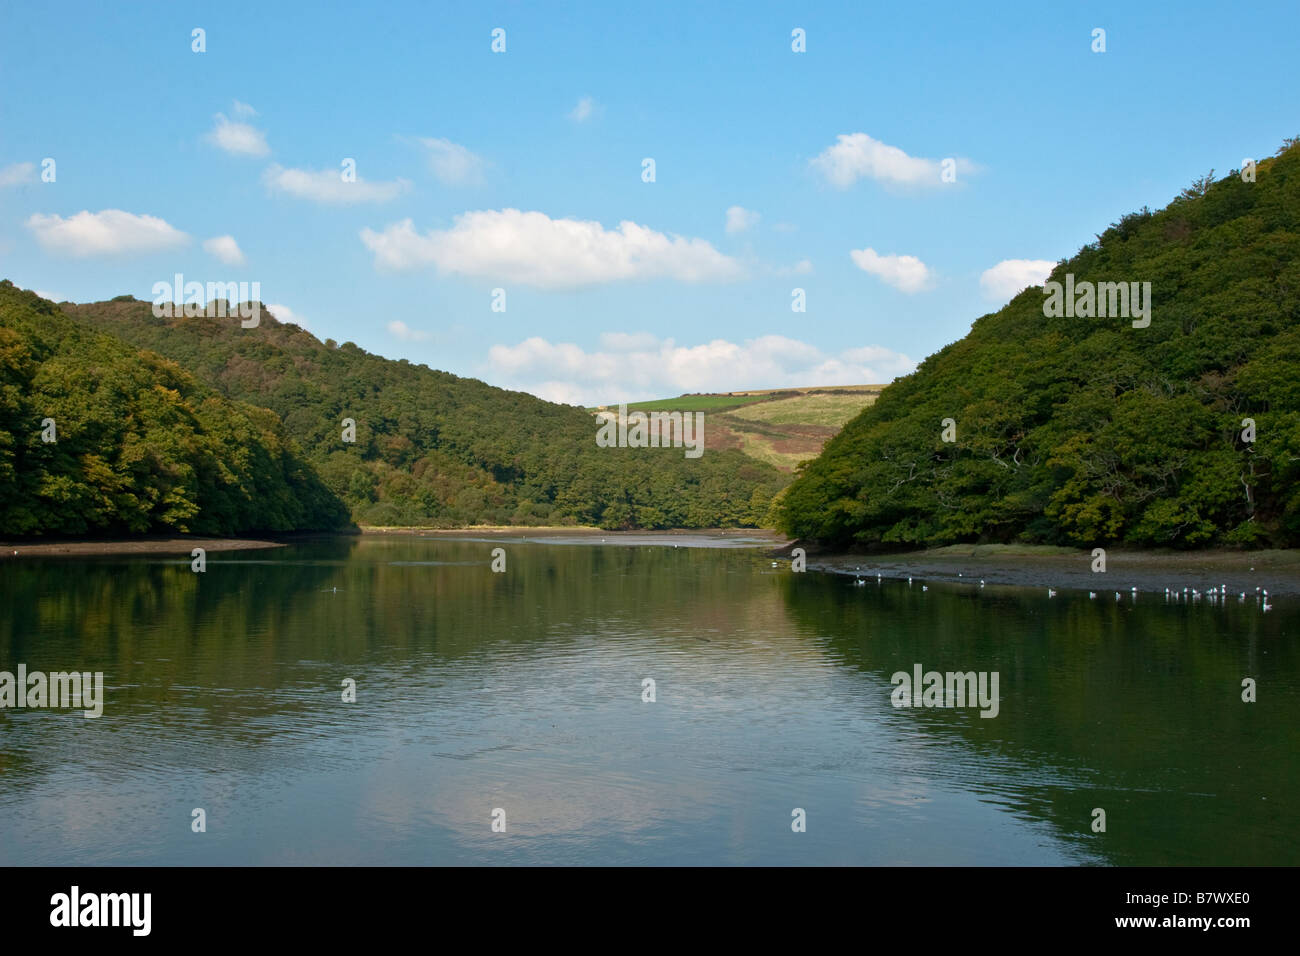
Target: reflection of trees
{"points": [[1132, 707], [237, 653]]}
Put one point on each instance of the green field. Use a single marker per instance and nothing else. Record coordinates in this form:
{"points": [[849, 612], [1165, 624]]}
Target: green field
{"points": [[829, 409], [781, 427]]}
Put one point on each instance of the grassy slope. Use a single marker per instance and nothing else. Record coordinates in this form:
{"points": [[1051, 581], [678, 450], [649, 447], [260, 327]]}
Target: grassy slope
{"points": [[780, 427]]}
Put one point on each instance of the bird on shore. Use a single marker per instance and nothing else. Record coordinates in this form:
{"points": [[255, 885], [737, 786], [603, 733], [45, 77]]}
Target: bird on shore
{"points": [[1092, 594], [1051, 593], [925, 587]]}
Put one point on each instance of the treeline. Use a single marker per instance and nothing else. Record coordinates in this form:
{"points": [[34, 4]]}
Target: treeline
{"points": [[430, 448], [1087, 431], [98, 437]]}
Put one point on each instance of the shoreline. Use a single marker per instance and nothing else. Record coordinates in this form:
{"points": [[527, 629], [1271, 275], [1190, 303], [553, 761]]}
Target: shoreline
{"points": [[582, 531], [173, 544], [1029, 566], [145, 545], [1277, 571]]}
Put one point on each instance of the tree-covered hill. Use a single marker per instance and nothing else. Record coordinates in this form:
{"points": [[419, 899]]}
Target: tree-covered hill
{"points": [[97, 437], [438, 450], [1089, 431]]}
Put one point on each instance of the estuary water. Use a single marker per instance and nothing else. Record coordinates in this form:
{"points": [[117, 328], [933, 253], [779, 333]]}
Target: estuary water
{"points": [[505, 717]]}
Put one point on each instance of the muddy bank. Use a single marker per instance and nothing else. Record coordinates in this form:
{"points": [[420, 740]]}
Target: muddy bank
{"points": [[175, 545], [1278, 572]]}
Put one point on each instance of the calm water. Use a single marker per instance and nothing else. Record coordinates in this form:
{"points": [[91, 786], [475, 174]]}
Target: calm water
{"points": [[523, 691]]}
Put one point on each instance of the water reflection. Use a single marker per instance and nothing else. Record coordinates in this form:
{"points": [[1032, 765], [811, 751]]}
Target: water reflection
{"points": [[523, 691]]}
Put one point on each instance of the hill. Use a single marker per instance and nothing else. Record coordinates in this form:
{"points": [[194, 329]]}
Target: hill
{"points": [[781, 427], [434, 449], [99, 438], [1089, 431]]}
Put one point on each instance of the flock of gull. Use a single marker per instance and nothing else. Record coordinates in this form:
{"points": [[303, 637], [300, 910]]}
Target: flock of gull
{"points": [[1219, 595]]}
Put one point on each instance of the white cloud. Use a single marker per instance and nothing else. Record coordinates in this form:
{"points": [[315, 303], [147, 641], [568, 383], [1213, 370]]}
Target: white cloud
{"points": [[17, 174], [52, 296], [531, 248], [238, 137], [224, 248], [739, 219], [801, 268], [109, 232], [453, 164], [905, 273], [628, 341], [285, 314], [1010, 276], [328, 186], [584, 110], [641, 366], [857, 156], [404, 332]]}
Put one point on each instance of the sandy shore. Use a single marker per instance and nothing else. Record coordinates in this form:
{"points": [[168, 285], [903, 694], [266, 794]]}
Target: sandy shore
{"points": [[175, 545], [1278, 572]]}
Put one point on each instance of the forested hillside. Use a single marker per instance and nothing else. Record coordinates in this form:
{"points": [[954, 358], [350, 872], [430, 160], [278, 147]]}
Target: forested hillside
{"points": [[435, 449], [99, 438], [1089, 430]]}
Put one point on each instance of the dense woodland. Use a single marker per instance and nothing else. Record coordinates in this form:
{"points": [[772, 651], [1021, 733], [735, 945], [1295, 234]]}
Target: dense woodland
{"points": [[200, 425], [1086, 431], [138, 445]]}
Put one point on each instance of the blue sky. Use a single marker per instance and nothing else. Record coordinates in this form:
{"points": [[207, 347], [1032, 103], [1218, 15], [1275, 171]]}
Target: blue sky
{"points": [[522, 170]]}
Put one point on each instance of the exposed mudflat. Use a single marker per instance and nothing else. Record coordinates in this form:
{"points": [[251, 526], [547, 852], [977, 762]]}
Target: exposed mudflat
{"points": [[1239, 572], [175, 545]]}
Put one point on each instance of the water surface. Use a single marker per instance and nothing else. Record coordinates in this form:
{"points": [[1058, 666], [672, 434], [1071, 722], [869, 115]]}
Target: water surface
{"points": [[523, 691]]}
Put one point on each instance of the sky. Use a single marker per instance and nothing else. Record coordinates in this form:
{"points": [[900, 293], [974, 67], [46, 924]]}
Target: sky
{"points": [[502, 222]]}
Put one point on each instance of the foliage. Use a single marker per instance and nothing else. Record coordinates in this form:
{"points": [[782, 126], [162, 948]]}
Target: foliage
{"points": [[433, 449], [1085, 431], [139, 445]]}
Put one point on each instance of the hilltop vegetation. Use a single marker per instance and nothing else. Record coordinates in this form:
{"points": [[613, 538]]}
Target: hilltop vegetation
{"points": [[138, 445], [1082, 431], [433, 449]]}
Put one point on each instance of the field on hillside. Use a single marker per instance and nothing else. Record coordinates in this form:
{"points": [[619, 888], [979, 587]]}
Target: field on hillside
{"points": [[779, 426]]}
